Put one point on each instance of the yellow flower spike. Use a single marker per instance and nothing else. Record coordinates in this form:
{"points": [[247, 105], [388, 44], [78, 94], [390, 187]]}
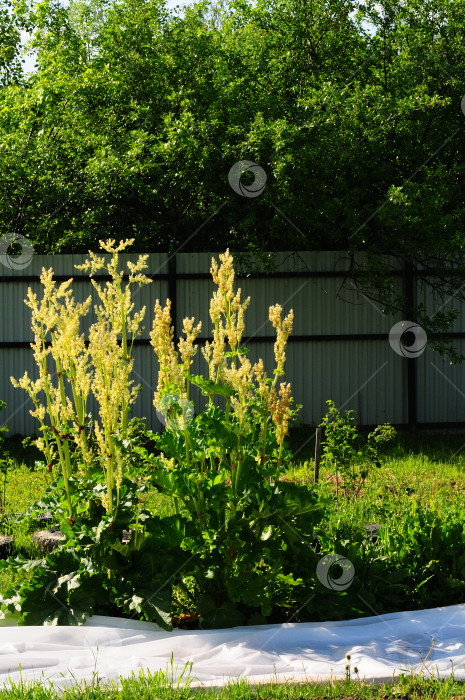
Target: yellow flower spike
{"points": [[225, 275], [214, 271], [280, 411], [136, 268], [105, 365], [110, 247], [187, 349], [161, 339], [283, 331], [207, 352], [216, 307], [63, 290]]}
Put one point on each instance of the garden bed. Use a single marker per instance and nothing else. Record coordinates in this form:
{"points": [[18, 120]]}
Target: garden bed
{"points": [[419, 488]]}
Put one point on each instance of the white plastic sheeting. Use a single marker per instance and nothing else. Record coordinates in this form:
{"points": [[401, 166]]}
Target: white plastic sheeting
{"points": [[381, 648]]}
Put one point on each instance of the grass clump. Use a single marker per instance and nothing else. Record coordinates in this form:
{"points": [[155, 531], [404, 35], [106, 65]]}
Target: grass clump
{"points": [[159, 686]]}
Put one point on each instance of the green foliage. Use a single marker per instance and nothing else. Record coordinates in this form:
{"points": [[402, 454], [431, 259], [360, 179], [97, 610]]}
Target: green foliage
{"points": [[135, 110], [94, 571], [247, 532], [417, 561], [5, 465], [3, 428], [345, 451], [10, 44], [246, 551]]}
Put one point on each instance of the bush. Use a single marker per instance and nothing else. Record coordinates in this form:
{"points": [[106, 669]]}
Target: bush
{"points": [[345, 450]]}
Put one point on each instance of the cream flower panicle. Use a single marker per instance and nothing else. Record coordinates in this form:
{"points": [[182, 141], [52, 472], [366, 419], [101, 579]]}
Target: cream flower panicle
{"points": [[170, 373], [70, 368], [227, 314], [241, 380], [187, 349], [262, 382], [283, 331], [280, 411]]}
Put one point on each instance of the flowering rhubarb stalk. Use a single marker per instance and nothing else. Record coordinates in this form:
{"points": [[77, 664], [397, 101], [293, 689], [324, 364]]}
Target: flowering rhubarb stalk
{"points": [[70, 367]]}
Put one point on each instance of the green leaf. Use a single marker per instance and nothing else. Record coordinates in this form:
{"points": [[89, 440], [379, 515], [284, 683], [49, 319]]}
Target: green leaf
{"points": [[213, 617], [209, 388]]}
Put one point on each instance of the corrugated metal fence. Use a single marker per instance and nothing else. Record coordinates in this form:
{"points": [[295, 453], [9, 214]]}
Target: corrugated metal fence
{"points": [[339, 348]]}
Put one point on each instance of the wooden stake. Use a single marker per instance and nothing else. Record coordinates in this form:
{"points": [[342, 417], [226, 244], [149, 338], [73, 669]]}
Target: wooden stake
{"points": [[316, 470]]}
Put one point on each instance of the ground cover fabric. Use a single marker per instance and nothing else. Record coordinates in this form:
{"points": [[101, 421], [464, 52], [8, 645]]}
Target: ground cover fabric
{"points": [[381, 647]]}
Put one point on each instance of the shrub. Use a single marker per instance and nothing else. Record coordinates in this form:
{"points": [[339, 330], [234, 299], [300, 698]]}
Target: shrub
{"points": [[345, 450]]}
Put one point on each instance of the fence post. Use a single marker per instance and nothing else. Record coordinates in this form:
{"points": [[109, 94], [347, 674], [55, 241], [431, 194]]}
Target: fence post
{"points": [[412, 389], [173, 293], [316, 469]]}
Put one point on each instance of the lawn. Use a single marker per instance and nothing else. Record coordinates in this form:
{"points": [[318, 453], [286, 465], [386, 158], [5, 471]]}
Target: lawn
{"points": [[159, 687], [425, 469]]}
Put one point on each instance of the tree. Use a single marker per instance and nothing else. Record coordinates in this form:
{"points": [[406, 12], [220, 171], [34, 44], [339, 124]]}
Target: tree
{"points": [[132, 123]]}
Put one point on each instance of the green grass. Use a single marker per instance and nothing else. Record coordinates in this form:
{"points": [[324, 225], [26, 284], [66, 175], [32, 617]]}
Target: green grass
{"points": [[426, 470], [160, 687], [23, 486], [423, 467]]}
